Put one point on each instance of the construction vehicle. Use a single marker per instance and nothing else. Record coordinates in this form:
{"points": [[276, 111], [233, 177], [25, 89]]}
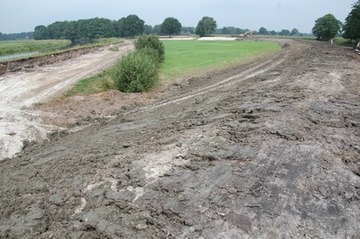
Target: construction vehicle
{"points": [[245, 35]]}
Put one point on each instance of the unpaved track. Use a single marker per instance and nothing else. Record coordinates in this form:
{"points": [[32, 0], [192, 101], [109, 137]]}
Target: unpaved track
{"points": [[266, 150], [20, 90]]}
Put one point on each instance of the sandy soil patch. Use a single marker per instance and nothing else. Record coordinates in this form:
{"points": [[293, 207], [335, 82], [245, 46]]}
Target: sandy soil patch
{"points": [[21, 90], [217, 39], [174, 38]]}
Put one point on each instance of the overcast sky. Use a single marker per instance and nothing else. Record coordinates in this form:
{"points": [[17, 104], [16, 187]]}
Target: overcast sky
{"points": [[24, 15]]}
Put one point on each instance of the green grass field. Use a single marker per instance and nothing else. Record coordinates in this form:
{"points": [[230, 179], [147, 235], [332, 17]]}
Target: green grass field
{"points": [[48, 46], [185, 58], [13, 47]]}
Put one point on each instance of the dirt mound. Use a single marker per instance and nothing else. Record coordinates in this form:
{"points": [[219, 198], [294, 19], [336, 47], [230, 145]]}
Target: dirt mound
{"points": [[80, 110], [33, 62], [266, 150]]}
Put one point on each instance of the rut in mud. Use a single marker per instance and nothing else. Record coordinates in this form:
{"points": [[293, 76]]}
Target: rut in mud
{"points": [[269, 149]]}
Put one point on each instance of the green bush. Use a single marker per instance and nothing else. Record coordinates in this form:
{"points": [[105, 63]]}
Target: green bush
{"points": [[343, 42], [152, 53], [151, 41], [137, 71]]}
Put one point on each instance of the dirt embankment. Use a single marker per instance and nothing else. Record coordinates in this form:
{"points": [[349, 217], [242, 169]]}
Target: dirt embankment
{"points": [[19, 91], [24, 64], [270, 149]]}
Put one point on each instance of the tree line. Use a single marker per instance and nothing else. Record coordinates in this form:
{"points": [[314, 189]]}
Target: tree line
{"points": [[283, 32], [84, 31], [16, 36]]}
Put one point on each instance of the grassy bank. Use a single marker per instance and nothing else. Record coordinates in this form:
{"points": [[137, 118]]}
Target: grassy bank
{"points": [[185, 58], [13, 47], [48, 46], [92, 85]]}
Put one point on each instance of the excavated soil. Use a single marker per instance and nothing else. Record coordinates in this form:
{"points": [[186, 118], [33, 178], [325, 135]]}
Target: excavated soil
{"points": [[19, 91], [269, 149]]}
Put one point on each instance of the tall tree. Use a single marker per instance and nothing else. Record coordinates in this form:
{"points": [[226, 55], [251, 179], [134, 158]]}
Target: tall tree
{"points": [[57, 29], [326, 27], [352, 23], [101, 28], [171, 26], [263, 31], [294, 32], [71, 32], [148, 30], [157, 29], [119, 27], [133, 26], [41, 32], [206, 26], [83, 32]]}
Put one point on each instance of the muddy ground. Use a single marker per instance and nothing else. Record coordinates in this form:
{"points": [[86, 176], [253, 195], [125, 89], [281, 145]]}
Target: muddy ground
{"points": [[269, 149]]}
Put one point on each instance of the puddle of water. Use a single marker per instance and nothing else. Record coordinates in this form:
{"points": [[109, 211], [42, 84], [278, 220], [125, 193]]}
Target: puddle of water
{"points": [[17, 56]]}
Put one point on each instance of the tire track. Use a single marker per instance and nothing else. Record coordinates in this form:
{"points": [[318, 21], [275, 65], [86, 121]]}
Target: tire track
{"points": [[255, 69]]}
